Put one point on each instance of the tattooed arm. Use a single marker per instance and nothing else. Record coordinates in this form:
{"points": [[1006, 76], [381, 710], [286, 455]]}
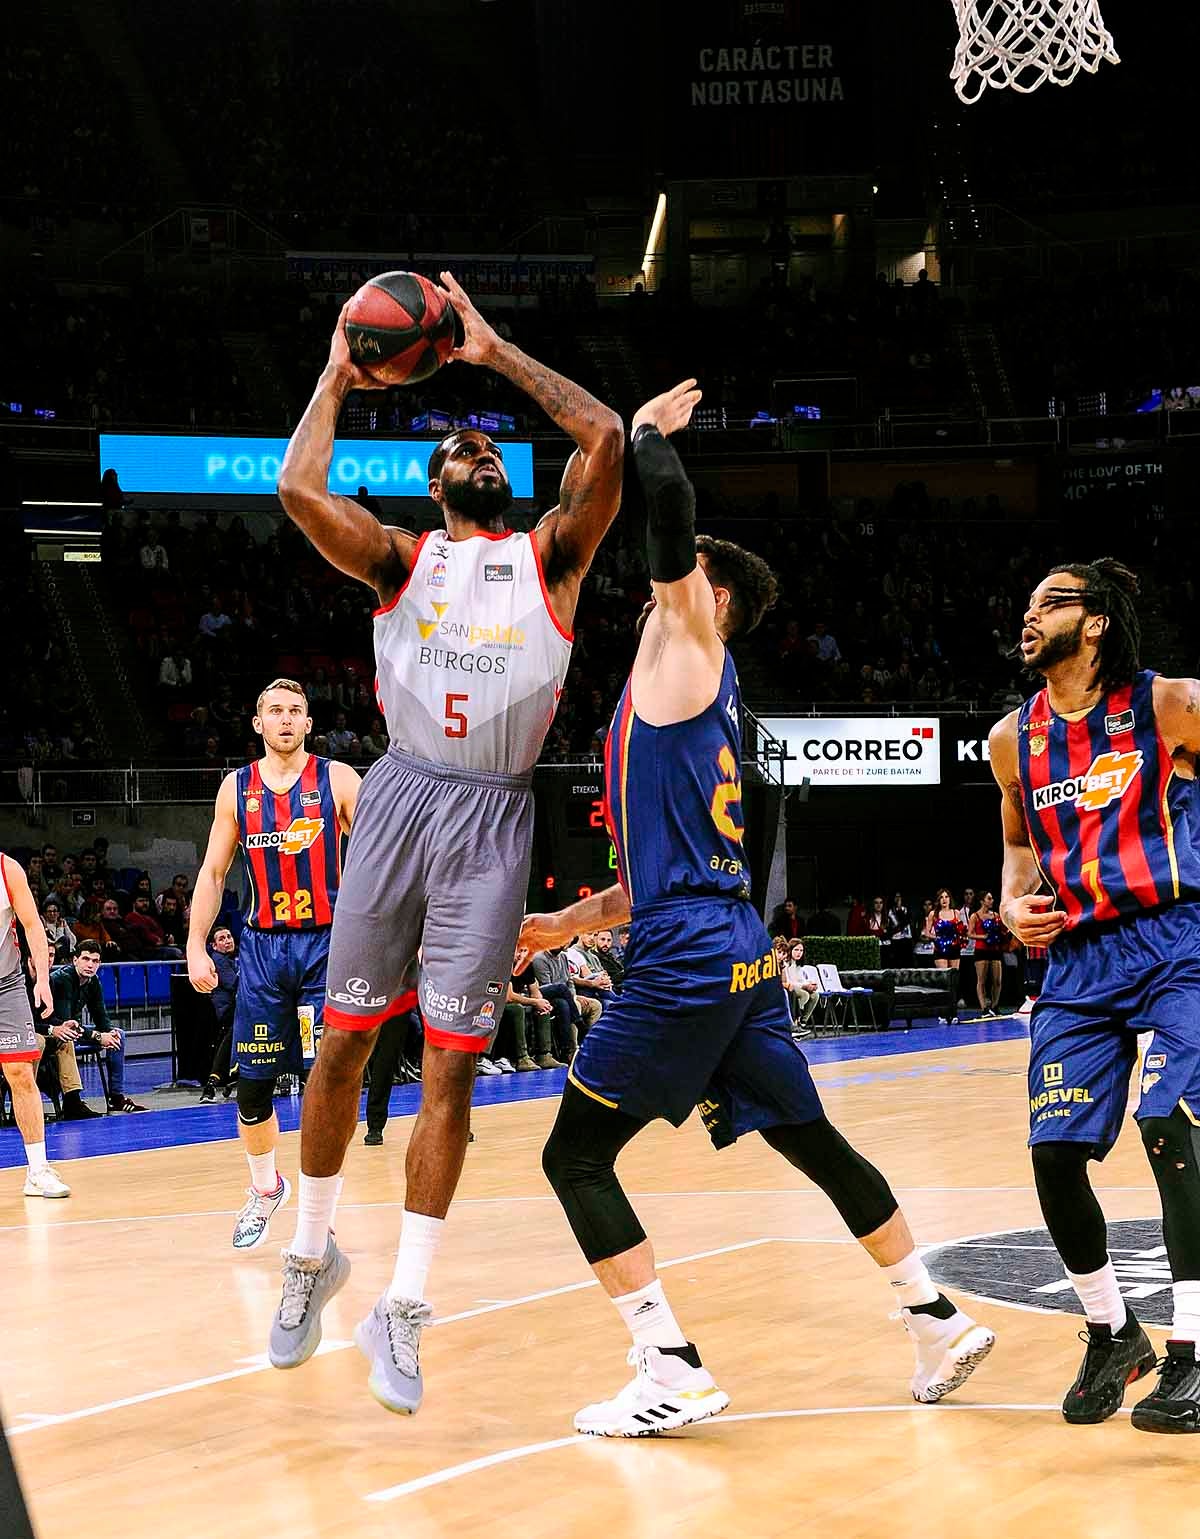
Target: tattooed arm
{"points": [[1027, 913], [590, 495], [347, 535], [1177, 712]]}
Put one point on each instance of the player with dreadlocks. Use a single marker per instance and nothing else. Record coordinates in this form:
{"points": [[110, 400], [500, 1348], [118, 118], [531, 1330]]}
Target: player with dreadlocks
{"points": [[1100, 866]]}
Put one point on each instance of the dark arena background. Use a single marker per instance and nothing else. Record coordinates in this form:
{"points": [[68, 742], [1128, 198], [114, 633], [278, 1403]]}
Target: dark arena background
{"points": [[942, 348]]}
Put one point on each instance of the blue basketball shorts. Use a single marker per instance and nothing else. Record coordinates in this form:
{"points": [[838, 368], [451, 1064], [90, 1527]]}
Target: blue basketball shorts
{"points": [[280, 1000], [1106, 984], [701, 1020]]}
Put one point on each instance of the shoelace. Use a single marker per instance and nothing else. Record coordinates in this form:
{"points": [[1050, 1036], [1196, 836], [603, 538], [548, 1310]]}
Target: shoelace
{"points": [[1095, 1349], [1174, 1373], [297, 1291], [404, 1323]]}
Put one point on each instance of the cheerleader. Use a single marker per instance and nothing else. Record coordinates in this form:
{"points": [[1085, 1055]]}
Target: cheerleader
{"points": [[944, 927], [990, 936]]}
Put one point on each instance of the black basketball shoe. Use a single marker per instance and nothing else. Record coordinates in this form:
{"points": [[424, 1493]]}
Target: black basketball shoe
{"points": [[1111, 1363], [1175, 1405]]}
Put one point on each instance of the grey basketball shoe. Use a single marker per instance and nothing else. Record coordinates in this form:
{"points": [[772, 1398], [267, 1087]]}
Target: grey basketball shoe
{"points": [[308, 1285], [389, 1338]]}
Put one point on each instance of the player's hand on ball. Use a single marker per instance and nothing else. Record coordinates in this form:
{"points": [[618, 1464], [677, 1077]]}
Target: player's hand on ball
{"points": [[202, 974], [1032, 919], [670, 411], [341, 361], [479, 341]]}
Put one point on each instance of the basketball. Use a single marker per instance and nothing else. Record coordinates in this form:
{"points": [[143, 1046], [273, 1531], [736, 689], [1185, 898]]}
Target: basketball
{"points": [[401, 328]]}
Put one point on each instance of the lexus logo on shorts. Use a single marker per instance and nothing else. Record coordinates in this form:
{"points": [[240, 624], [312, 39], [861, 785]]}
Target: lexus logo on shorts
{"points": [[358, 985], [1021, 1266]]}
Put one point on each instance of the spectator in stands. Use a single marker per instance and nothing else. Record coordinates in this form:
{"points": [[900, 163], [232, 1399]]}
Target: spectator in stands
{"points": [[214, 623], [100, 850], [803, 988], [178, 890], [142, 923], [346, 691], [153, 553], [174, 672], [172, 920], [553, 979], [343, 744], [59, 934], [90, 926], [224, 712], [588, 976], [223, 949], [374, 742], [88, 868], [50, 866], [609, 961], [527, 1012], [827, 647], [127, 942], [37, 882], [76, 988], [197, 732], [785, 920]]}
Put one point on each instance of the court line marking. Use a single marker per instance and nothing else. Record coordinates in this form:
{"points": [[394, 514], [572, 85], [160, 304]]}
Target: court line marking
{"points": [[328, 1347], [528, 1450], [462, 1202]]}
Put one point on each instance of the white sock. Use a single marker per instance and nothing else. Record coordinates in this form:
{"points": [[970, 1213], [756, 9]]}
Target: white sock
{"points": [[1100, 1296], [419, 1237], [264, 1177], [318, 1198], [648, 1317], [1186, 1325], [36, 1155], [910, 1281]]}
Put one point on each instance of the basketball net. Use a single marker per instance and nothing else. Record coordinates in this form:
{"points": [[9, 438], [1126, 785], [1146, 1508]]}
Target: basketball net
{"points": [[1020, 44]]}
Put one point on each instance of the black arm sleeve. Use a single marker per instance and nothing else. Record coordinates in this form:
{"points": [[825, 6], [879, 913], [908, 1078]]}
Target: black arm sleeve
{"points": [[670, 507]]}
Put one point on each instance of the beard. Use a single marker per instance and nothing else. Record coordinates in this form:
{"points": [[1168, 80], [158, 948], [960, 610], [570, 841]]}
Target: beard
{"points": [[1058, 649], [481, 501]]}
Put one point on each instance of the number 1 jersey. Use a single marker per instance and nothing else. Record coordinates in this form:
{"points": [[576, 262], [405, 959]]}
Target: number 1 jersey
{"points": [[673, 800], [470, 657], [291, 848]]}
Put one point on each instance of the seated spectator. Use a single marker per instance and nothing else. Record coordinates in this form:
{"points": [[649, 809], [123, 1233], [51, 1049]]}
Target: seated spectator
{"points": [[589, 977], [90, 926], [179, 891], [803, 986], [142, 923], [197, 732], [37, 883], [609, 960], [50, 867], [174, 672], [100, 850], [153, 553], [76, 988], [527, 1010], [374, 742], [125, 939], [827, 647], [59, 934], [342, 741], [171, 918], [67, 895], [553, 979], [214, 623]]}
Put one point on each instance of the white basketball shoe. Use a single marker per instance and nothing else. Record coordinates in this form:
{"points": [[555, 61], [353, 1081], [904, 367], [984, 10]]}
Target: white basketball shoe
{"points": [[670, 1389], [45, 1183], [948, 1352]]}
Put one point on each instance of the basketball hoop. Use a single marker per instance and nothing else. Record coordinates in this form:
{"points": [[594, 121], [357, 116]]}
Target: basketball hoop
{"points": [[1020, 44]]}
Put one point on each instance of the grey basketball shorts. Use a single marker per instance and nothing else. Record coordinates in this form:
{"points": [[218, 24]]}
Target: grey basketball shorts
{"points": [[438, 862], [19, 1043]]}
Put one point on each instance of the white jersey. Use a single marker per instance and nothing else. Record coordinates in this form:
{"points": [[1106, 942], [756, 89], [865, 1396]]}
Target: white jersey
{"points": [[470, 657], [10, 949]]}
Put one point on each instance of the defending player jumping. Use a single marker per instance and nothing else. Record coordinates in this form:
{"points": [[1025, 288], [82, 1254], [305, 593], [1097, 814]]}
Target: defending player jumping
{"points": [[701, 1017], [1099, 808], [472, 641], [287, 813]]}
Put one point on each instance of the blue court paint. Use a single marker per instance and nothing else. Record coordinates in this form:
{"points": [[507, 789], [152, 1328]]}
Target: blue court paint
{"points": [[190, 1123]]}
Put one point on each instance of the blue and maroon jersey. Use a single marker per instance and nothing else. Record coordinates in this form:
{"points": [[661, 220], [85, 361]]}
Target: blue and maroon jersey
{"points": [[291, 845], [1108, 816], [673, 800]]}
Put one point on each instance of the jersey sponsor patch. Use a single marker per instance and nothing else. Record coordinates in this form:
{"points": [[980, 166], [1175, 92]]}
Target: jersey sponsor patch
{"points": [[310, 798], [498, 573], [1109, 778], [1021, 1267], [437, 575], [298, 836], [1119, 721]]}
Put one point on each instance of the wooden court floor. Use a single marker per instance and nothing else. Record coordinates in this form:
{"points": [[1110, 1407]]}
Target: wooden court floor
{"points": [[140, 1403]]}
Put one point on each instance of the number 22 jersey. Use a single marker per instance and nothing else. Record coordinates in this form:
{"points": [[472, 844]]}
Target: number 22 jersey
{"points": [[673, 800], [291, 847]]}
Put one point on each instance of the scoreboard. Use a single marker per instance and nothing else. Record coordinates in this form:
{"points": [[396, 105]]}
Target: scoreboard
{"points": [[573, 856]]}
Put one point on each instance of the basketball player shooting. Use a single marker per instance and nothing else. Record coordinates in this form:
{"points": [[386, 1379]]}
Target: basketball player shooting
{"points": [[701, 1017], [472, 641], [1099, 808], [286, 813]]}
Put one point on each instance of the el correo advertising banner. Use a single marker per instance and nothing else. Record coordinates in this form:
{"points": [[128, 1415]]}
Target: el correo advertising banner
{"points": [[859, 750]]}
